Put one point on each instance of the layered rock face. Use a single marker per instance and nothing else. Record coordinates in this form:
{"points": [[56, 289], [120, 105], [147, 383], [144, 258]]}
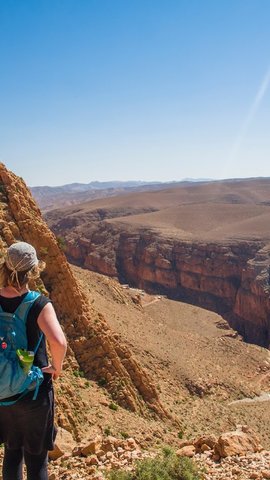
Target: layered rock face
{"points": [[231, 278], [96, 348]]}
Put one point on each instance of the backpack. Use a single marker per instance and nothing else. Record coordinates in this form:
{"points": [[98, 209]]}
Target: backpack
{"points": [[14, 379]]}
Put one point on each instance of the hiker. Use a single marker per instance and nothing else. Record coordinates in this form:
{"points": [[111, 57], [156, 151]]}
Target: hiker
{"points": [[27, 418]]}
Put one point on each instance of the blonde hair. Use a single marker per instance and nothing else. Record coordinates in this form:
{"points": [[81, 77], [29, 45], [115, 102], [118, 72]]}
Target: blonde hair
{"points": [[7, 277]]}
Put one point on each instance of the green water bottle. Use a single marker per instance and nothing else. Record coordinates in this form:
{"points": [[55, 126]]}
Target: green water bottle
{"points": [[26, 358]]}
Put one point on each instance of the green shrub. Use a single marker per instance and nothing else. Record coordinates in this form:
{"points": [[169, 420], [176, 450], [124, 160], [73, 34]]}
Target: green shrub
{"points": [[107, 431], [102, 382], [167, 466], [61, 243], [43, 250], [113, 406], [41, 289], [78, 373]]}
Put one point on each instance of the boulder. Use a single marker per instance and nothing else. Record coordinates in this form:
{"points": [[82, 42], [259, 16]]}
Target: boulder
{"points": [[92, 447], [209, 440], [187, 451], [239, 442], [64, 444], [108, 445]]}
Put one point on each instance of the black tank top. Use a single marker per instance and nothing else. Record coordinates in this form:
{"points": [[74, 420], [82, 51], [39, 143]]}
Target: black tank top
{"points": [[33, 334]]}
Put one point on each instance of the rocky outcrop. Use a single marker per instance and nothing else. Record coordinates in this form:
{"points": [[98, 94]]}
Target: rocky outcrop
{"points": [[97, 455], [97, 349], [238, 442], [231, 278], [251, 312]]}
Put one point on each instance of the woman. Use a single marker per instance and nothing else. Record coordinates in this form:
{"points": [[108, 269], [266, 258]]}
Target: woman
{"points": [[27, 427]]}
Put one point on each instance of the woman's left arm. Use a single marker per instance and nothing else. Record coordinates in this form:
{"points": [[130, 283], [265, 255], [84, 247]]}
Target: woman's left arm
{"points": [[49, 325]]}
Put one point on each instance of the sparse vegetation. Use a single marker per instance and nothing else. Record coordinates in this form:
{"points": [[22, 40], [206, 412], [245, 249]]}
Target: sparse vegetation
{"points": [[167, 466], [43, 250], [41, 289], [102, 382], [78, 373], [61, 242], [113, 406], [107, 431]]}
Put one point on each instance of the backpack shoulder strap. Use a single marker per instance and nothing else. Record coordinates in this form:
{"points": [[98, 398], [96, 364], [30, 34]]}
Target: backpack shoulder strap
{"points": [[23, 309], [25, 305]]}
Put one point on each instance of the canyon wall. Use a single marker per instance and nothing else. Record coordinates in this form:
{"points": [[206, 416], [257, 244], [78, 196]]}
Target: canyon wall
{"points": [[96, 348], [231, 278]]}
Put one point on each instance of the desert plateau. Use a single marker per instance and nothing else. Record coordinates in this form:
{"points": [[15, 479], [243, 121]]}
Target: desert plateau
{"points": [[206, 244]]}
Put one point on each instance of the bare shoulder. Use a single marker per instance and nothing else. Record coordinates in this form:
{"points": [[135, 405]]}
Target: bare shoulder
{"points": [[47, 314], [48, 309]]}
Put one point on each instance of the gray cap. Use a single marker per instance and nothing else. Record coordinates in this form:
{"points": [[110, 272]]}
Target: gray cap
{"points": [[21, 256]]}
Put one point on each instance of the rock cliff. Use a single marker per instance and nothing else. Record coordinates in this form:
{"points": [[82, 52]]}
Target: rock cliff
{"points": [[231, 278], [96, 348]]}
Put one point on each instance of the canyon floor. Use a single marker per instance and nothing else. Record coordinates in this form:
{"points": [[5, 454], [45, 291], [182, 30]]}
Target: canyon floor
{"points": [[200, 365]]}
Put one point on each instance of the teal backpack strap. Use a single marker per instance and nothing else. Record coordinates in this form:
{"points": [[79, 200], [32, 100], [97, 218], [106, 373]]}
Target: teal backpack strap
{"points": [[23, 309], [38, 343], [25, 305]]}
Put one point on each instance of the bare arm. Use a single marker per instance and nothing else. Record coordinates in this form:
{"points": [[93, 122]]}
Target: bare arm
{"points": [[49, 325]]}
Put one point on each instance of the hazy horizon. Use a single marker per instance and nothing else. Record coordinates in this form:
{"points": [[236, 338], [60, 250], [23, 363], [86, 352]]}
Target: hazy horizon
{"points": [[142, 90], [194, 180]]}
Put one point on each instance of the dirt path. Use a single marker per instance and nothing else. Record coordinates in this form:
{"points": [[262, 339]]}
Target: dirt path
{"points": [[264, 397]]}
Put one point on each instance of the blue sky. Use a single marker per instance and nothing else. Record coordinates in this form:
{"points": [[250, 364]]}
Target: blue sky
{"points": [[134, 89]]}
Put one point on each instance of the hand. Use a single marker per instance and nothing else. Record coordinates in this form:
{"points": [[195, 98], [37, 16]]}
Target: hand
{"points": [[52, 370]]}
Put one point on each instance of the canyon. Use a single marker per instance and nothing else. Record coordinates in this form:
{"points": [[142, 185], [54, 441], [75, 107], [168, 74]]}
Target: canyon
{"points": [[142, 369], [206, 244]]}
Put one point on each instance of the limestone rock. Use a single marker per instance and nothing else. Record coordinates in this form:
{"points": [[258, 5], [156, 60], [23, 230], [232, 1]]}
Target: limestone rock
{"points": [[64, 444], [92, 447], [187, 451], [239, 442], [208, 440]]}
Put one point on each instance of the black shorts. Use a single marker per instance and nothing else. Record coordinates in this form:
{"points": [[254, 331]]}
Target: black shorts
{"points": [[29, 423]]}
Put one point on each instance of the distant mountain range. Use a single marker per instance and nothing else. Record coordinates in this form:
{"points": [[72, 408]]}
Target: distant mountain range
{"points": [[84, 187], [61, 196], [50, 198], [65, 195]]}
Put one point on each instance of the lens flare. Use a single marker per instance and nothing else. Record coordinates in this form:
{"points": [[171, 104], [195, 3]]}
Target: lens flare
{"points": [[262, 90]]}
